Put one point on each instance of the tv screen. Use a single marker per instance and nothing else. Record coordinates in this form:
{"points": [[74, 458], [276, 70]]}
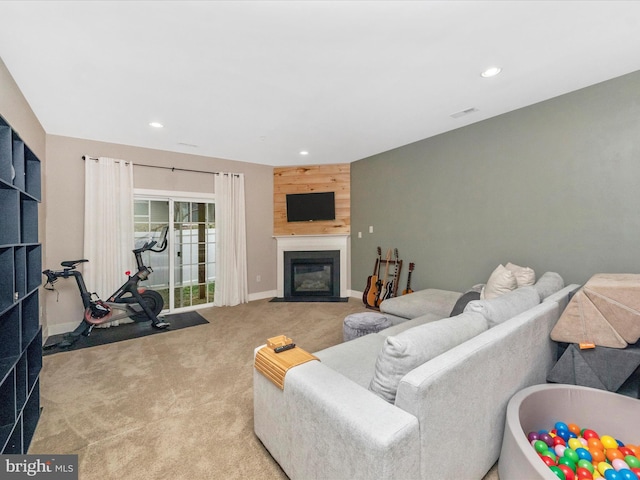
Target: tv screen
{"points": [[308, 207]]}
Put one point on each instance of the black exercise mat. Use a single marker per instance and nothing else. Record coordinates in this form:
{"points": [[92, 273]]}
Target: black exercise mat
{"points": [[310, 299], [102, 336]]}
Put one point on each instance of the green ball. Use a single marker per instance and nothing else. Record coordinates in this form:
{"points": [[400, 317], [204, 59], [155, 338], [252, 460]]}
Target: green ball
{"points": [[540, 446], [568, 462], [571, 453], [632, 461], [559, 473], [586, 464]]}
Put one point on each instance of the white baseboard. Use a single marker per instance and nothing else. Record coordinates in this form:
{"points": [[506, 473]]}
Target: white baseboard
{"points": [[262, 295]]}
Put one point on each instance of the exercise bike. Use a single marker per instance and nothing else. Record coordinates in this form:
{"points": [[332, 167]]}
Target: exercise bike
{"points": [[130, 300]]}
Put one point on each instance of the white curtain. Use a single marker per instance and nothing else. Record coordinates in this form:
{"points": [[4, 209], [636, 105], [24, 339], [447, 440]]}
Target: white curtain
{"points": [[108, 225], [231, 241]]}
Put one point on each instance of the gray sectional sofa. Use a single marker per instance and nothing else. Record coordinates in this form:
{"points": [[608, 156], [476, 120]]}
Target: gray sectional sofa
{"points": [[423, 399]]}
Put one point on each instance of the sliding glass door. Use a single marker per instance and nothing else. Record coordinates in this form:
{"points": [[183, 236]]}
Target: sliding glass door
{"points": [[184, 272]]}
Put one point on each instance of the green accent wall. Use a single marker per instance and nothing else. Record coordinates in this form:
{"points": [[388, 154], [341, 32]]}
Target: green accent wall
{"points": [[554, 186]]}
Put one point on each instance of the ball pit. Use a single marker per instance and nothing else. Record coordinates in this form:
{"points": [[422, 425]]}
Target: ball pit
{"points": [[581, 422]]}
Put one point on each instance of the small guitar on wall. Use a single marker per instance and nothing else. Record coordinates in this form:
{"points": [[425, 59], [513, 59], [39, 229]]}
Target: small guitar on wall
{"points": [[408, 289], [371, 290]]}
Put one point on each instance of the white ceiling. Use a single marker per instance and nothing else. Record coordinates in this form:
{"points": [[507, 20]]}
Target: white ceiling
{"points": [[259, 81]]}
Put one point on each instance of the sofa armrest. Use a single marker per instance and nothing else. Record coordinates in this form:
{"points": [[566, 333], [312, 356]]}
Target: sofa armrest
{"points": [[416, 304], [323, 425]]}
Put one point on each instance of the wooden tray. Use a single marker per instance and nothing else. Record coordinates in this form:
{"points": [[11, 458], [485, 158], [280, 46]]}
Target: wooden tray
{"points": [[274, 365]]}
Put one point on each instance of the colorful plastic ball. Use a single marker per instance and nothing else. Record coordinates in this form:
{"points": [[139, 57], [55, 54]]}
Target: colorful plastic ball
{"points": [[574, 443], [587, 434], [584, 454], [627, 474], [546, 438], [635, 449], [613, 453], [568, 472], [533, 436], [612, 474], [583, 474], [620, 444], [636, 470], [559, 449], [571, 453], [558, 440], [619, 464], [595, 443], [540, 446], [574, 428], [598, 456], [585, 464], [608, 441], [561, 426], [549, 462], [564, 434], [567, 462], [603, 467], [625, 451], [558, 473], [632, 461]]}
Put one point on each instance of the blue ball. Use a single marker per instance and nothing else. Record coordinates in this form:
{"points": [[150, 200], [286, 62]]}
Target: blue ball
{"points": [[561, 426], [612, 474], [584, 454]]}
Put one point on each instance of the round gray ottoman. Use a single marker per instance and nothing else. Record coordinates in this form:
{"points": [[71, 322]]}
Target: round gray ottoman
{"points": [[363, 323]]}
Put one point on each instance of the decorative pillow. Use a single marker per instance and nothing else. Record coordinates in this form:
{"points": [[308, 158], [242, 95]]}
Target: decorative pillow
{"points": [[548, 284], [504, 307], [524, 275], [409, 349], [501, 281], [458, 308]]}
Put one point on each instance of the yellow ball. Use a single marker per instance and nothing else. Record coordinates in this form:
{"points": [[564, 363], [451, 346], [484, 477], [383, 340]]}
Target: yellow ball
{"points": [[574, 443], [603, 467], [608, 441]]}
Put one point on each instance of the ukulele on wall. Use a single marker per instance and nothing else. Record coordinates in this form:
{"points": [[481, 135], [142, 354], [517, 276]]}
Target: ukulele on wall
{"points": [[382, 292], [408, 289], [371, 290]]}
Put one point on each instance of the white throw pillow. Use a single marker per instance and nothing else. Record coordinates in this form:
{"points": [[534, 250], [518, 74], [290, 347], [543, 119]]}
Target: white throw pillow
{"points": [[501, 281], [407, 350], [525, 276]]}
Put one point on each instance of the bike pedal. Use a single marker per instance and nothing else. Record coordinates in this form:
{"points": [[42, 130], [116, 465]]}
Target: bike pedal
{"points": [[161, 325]]}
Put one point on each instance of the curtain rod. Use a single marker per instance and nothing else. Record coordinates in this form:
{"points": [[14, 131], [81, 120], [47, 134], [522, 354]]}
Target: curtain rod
{"points": [[173, 169]]}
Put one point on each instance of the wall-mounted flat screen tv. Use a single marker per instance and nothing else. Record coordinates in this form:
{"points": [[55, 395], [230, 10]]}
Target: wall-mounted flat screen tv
{"points": [[309, 207]]}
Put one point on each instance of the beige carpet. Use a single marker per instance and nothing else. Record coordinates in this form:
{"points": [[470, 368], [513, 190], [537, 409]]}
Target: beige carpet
{"points": [[176, 405]]}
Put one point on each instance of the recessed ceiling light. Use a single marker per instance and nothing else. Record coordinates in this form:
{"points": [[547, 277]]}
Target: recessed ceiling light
{"points": [[491, 72], [304, 152], [156, 125]]}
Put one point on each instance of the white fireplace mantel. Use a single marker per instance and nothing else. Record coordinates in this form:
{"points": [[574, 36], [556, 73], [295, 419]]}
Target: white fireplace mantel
{"points": [[297, 243]]}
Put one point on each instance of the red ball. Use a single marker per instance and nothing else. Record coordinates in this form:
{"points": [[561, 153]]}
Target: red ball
{"points": [[557, 440], [549, 462], [583, 474], [568, 473], [587, 434]]}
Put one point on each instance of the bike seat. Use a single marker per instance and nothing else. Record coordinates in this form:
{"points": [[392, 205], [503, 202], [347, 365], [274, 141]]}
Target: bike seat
{"points": [[72, 263]]}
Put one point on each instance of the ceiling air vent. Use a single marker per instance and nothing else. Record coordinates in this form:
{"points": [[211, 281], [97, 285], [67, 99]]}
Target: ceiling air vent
{"points": [[463, 112]]}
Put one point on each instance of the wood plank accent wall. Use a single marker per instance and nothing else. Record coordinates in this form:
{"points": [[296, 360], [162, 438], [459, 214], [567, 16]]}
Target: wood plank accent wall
{"points": [[312, 179]]}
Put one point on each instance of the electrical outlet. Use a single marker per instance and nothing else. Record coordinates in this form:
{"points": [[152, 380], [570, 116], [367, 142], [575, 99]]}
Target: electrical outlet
{"points": [[370, 228], [258, 278], [359, 234]]}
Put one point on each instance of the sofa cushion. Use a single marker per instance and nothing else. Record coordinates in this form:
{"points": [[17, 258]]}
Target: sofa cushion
{"points": [[500, 281], [502, 308], [403, 352], [430, 300], [460, 305], [525, 276], [549, 283], [355, 359], [414, 322]]}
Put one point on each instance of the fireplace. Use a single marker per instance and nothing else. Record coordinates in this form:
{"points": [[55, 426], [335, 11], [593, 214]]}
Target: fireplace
{"points": [[311, 274], [314, 247]]}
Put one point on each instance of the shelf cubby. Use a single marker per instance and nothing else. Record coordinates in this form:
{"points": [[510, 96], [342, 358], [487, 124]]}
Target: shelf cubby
{"points": [[30, 324], [9, 215], [8, 414], [6, 158], [29, 220], [34, 360], [20, 265], [21, 383], [30, 416], [34, 267], [7, 279], [18, 162], [32, 174]]}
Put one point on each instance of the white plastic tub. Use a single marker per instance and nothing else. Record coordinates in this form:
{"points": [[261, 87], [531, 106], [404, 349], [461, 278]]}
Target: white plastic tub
{"points": [[541, 406]]}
